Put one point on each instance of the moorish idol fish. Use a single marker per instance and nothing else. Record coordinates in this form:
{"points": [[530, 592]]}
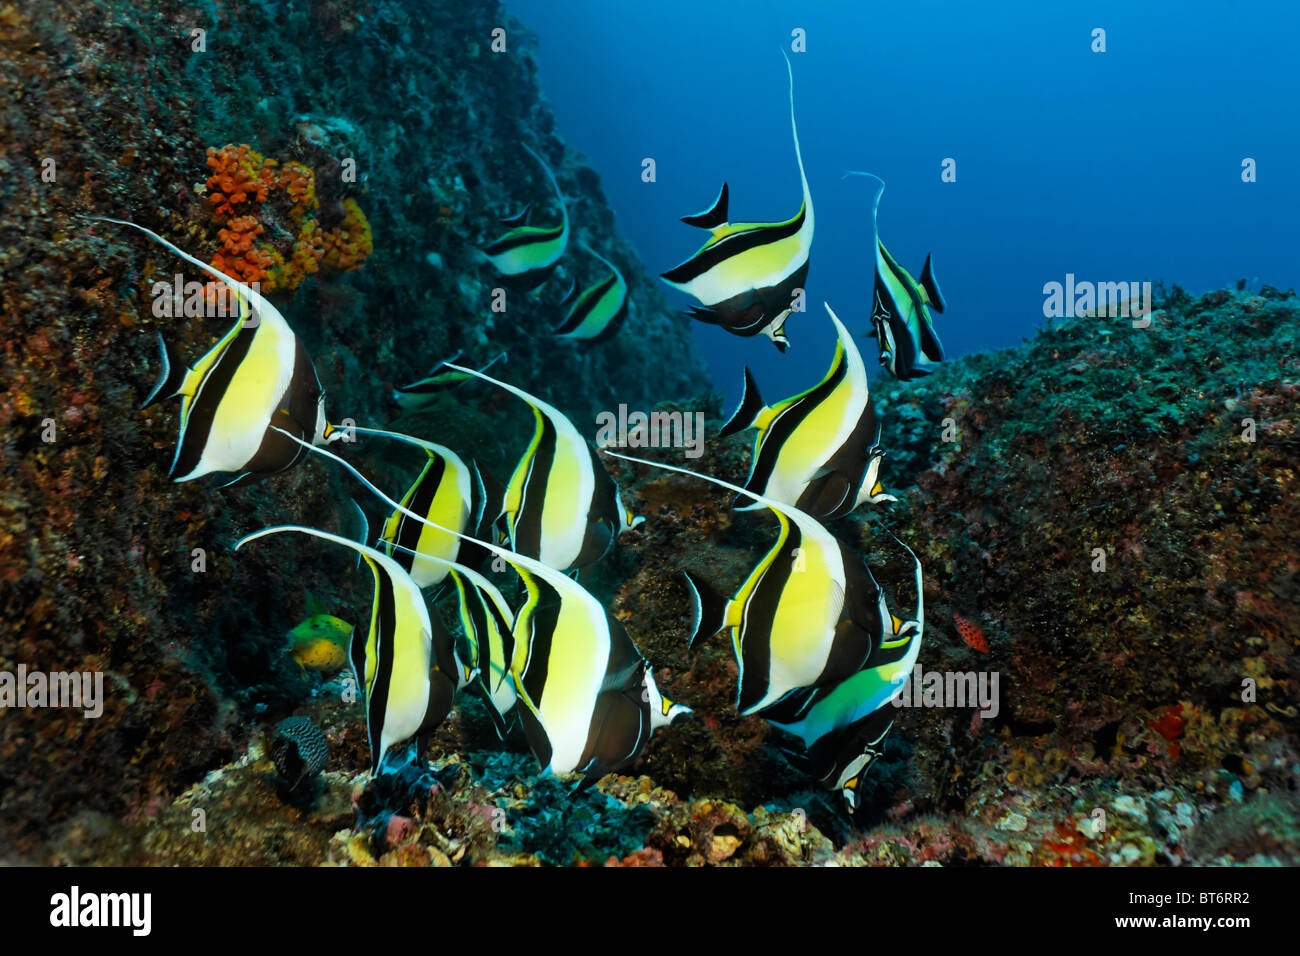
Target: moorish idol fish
{"points": [[487, 644], [527, 254], [488, 625], [441, 379], [900, 317], [599, 310], [746, 274], [561, 506], [447, 491], [819, 450], [407, 662], [809, 615], [841, 727], [589, 700], [257, 379]]}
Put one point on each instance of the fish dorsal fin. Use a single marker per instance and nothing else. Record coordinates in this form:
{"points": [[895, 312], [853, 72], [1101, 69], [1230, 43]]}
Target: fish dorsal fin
{"points": [[432, 448], [809, 527], [245, 293], [612, 268], [559, 196], [748, 411], [875, 205], [518, 219], [540, 408], [798, 153], [714, 216]]}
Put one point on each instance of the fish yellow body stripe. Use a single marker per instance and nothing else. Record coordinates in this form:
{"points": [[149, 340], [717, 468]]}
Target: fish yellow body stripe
{"points": [[247, 406], [528, 257], [575, 673], [449, 508], [569, 488], [765, 265], [514, 496]]}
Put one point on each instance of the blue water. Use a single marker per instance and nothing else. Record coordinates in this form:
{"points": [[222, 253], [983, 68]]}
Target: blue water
{"points": [[1119, 166]]}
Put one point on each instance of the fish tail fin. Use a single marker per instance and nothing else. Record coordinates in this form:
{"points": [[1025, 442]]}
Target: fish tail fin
{"points": [[715, 215], [171, 374], [931, 286], [747, 412], [710, 608]]}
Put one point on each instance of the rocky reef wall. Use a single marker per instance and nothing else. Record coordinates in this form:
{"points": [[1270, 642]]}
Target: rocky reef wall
{"points": [[395, 134]]}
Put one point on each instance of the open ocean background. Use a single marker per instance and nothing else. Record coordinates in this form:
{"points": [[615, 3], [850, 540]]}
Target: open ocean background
{"points": [[1122, 166]]}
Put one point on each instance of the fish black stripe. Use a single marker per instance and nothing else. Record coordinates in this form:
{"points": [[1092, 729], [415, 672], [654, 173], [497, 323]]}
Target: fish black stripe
{"points": [[528, 522], [759, 613], [198, 423], [613, 325], [586, 304], [734, 245], [851, 461], [545, 616], [408, 528], [785, 424], [377, 705], [508, 242]]}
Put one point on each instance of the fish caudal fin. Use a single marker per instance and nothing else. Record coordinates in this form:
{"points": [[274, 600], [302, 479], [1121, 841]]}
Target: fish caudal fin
{"points": [[747, 412], [171, 374], [931, 287], [714, 216], [710, 608]]}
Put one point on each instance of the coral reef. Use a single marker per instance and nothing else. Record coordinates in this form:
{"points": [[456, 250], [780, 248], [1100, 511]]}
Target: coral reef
{"points": [[1106, 515]]}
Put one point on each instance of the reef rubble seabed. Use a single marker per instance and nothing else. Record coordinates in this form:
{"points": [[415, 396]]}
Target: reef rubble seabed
{"points": [[1146, 711]]}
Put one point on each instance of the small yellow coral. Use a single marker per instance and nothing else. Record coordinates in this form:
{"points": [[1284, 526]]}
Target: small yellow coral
{"points": [[350, 244], [304, 259]]}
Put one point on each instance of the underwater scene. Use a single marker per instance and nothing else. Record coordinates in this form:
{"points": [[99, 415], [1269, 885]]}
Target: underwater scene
{"points": [[557, 433]]}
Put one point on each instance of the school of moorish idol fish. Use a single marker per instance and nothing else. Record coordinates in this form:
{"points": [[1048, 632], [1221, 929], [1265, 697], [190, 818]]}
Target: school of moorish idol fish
{"points": [[819, 652]]}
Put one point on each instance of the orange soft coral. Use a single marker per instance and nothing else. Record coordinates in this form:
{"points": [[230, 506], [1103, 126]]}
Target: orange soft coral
{"points": [[299, 183], [348, 245], [242, 257], [240, 175]]}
